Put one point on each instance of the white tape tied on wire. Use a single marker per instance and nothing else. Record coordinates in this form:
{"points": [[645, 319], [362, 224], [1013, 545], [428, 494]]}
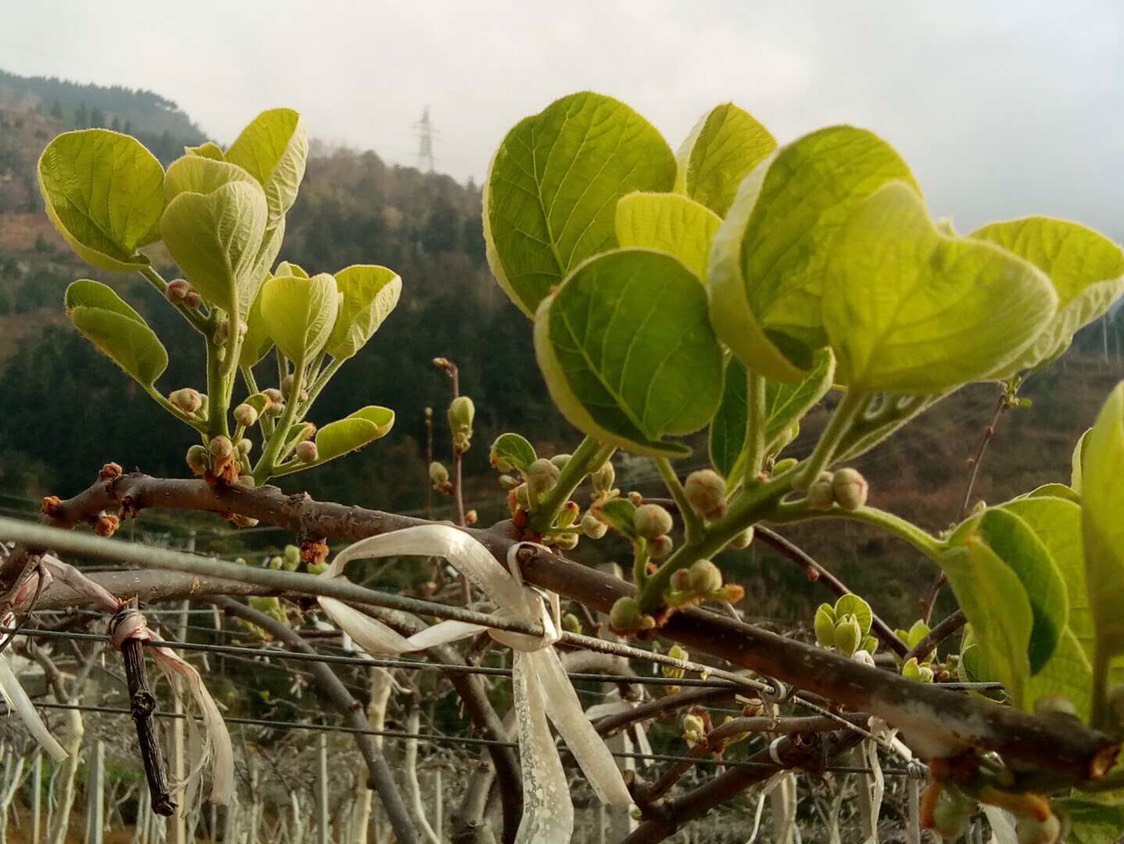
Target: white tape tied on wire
{"points": [[541, 688]]}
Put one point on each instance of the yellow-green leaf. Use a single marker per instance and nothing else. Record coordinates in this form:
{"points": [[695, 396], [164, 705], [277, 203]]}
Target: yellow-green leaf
{"points": [[299, 313], [909, 309], [104, 192], [274, 150], [669, 223], [198, 174], [357, 430], [551, 193], [722, 149], [117, 330], [368, 295]]}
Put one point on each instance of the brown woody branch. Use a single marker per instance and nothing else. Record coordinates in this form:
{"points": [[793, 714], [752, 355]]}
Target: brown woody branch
{"points": [[937, 722]]}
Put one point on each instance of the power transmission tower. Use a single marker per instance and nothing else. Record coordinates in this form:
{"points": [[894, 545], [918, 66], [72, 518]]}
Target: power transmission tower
{"points": [[425, 133]]}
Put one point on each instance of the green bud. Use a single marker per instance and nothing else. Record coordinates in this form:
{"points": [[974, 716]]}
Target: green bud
{"points": [[245, 415], [522, 497], [275, 563], [681, 580], [625, 614], [198, 459], [742, 540], [821, 494], [651, 520], [660, 546], [560, 460], [461, 414], [276, 399], [508, 482], [604, 478], [192, 300], [825, 626], [694, 728], [292, 557], [593, 527], [306, 451], [571, 623], [569, 513], [849, 488], [1030, 830], [240, 561], [438, 474], [177, 290], [245, 446], [187, 400], [673, 671], [542, 475], [913, 670], [704, 577], [706, 493], [317, 568], [848, 635]]}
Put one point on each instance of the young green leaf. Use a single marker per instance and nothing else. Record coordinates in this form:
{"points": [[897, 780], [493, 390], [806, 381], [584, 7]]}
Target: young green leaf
{"points": [[289, 268], [1086, 268], [996, 605], [196, 174], [1077, 479], [299, 313], [215, 238], [856, 606], [912, 310], [1102, 503], [551, 193], [368, 295], [722, 149], [274, 150], [771, 253], [511, 451], [206, 150], [118, 331], [726, 438], [627, 351], [1014, 542], [104, 192], [1067, 672], [352, 433], [670, 223]]}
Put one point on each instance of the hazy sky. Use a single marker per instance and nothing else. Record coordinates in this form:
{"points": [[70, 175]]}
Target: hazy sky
{"points": [[1002, 108]]}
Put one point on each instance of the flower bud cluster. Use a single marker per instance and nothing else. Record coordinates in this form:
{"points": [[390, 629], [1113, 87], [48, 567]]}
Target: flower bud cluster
{"points": [[625, 617], [706, 493], [847, 488], [701, 581], [180, 292], [845, 627]]}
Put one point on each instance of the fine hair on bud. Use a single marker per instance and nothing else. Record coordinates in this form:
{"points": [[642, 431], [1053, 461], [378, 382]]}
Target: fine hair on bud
{"points": [[705, 490], [651, 520]]}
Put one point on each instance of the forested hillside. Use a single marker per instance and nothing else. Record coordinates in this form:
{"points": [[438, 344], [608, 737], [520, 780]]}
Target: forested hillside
{"points": [[62, 411]]}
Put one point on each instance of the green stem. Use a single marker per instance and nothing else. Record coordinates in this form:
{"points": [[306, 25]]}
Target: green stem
{"points": [[274, 445], [751, 506], [849, 409], [193, 421], [915, 536], [197, 321], [639, 564], [1102, 660], [320, 383], [587, 457], [216, 398], [756, 417], [693, 526]]}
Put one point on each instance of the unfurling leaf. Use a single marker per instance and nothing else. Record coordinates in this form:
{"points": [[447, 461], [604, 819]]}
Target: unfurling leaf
{"points": [[368, 295], [627, 351], [299, 313], [511, 451], [196, 174], [104, 192], [355, 431], [722, 149], [551, 194], [216, 238], [770, 256], [116, 329], [909, 309], [257, 340]]}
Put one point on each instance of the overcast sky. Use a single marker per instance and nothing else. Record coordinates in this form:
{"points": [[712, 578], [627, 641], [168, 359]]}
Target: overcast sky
{"points": [[1002, 108]]}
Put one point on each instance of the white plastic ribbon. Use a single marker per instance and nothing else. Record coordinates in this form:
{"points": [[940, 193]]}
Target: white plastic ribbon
{"points": [[541, 688]]}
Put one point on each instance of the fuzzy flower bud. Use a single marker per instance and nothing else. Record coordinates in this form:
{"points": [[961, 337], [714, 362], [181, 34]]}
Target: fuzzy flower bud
{"points": [[438, 474], [742, 540], [704, 577], [461, 413], [291, 557], [651, 520], [542, 475], [245, 446], [187, 400], [569, 513], [245, 415], [306, 451], [198, 459], [660, 546], [560, 460], [593, 527], [706, 493], [625, 615], [566, 541], [1030, 830], [604, 478], [221, 448], [192, 300], [275, 397], [849, 488], [681, 580], [470, 518], [177, 290], [821, 494]]}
